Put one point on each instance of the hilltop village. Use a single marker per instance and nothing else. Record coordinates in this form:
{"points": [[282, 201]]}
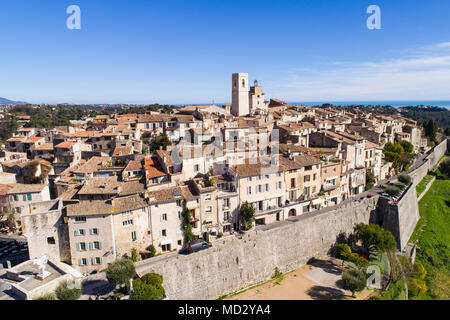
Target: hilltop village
{"points": [[97, 190]]}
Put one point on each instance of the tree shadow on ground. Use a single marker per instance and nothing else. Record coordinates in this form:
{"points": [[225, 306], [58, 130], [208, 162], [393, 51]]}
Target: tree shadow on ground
{"points": [[327, 266], [101, 287], [325, 293]]}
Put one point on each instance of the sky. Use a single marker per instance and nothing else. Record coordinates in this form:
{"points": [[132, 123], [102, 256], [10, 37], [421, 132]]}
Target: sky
{"points": [[181, 52]]}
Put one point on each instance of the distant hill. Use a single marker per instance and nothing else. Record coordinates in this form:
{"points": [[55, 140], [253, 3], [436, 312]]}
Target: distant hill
{"points": [[421, 114], [7, 101]]}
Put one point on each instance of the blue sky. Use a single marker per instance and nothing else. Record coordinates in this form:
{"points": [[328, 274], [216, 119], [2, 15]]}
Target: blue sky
{"points": [[185, 51]]}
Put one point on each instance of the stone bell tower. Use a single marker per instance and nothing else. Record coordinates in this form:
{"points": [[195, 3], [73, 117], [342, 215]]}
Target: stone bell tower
{"points": [[240, 99]]}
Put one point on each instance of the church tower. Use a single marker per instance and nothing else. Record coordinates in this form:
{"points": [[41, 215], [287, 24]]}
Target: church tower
{"points": [[240, 98]]}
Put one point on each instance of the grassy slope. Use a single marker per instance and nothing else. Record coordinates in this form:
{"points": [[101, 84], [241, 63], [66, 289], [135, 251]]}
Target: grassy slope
{"points": [[423, 184], [433, 230]]}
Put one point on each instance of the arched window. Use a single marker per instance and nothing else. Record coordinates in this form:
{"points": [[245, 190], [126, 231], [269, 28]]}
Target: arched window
{"points": [[243, 83]]}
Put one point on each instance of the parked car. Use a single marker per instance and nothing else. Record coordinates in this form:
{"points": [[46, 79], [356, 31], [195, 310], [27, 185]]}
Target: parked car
{"points": [[198, 245], [370, 196]]}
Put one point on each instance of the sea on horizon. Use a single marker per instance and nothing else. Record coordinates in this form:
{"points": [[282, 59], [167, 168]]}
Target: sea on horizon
{"points": [[395, 104]]}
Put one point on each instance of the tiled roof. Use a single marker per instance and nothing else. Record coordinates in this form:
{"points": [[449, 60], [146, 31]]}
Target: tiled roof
{"points": [[45, 146], [133, 165], [170, 194], [298, 162], [66, 145], [255, 169], [27, 188], [115, 206], [110, 185], [122, 151], [33, 139]]}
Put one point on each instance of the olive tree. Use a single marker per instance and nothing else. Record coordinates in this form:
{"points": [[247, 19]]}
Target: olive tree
{"points": [[120, 271], [354, 280]]}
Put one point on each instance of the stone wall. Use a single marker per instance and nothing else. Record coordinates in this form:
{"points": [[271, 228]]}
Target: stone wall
{"points": [[233, 263], [431, 161], [399, 219]]}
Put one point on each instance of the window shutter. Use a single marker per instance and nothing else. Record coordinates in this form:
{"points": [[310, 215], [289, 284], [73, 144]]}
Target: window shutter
{"points": [[91, 246], [100, 245], [101, 260], [93, 261]]}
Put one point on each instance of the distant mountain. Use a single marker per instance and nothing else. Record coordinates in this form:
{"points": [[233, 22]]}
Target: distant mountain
{"points": [[7, 101]]}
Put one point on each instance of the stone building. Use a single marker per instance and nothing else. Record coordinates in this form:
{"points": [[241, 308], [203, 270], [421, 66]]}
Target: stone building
{"points": [[166, 217], [102, 231], [46, 232]]}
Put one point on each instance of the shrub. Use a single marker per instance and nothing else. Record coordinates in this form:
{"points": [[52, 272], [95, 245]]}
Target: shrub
{"points": [[420, 271], [219, 235], [400, 185], [406, 179], [134, 255], [50, 296], [64, 293], [393, 191], [149, 287], [416, 286], [444, 168], [153, 279], [354, 280], [143, 291], [120, 271], [342, 251], [151, 248], [358, 260], [276, 273]]}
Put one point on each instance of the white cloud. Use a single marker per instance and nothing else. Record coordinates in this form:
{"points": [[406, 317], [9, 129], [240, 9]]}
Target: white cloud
{"points": [[423, 75]]}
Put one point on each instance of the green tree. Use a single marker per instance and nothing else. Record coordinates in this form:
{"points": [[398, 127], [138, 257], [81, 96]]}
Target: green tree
{"points": [[160, 141], [372, 236], [143, 291], [153, 279], [151, 248], [370, 179], [407, 146], [354, 280], [447, 131], [430, 128], [134, 255], [393, 152], [444, 168], [247, 215], [187, 224], [149, 287], [64, 293], [120, 271]]}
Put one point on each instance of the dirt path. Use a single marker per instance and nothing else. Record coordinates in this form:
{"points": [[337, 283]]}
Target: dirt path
{"points": [[320, 281]]}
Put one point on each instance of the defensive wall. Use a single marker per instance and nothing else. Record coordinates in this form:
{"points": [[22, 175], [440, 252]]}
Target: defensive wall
{"points": [[234, 263]]}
